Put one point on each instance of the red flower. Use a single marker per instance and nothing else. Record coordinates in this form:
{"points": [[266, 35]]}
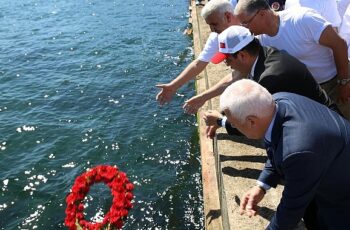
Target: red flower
{"points": [[120, 189], [80, 185], [108, 173], [129, 195], [129, 187], [69, 222], [70, 198], [81, 207]]}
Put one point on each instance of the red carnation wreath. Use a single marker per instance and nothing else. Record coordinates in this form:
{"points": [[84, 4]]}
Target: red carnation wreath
{"points": [[121, 190]]}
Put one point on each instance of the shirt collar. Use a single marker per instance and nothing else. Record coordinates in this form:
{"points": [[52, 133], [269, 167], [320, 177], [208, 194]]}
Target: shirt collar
{"points": [[268, 133], [253, 68]]}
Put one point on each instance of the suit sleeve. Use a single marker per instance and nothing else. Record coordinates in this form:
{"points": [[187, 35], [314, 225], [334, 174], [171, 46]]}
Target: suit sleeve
{"points": [[302, 173], [269, 174]]}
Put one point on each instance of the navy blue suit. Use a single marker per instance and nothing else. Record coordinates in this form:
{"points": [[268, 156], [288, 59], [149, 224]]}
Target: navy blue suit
{"points": [[310, 152]]}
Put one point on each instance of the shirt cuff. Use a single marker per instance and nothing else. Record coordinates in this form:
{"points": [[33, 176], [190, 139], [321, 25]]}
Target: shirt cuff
{"points": [[223, 121], [263, 185]]}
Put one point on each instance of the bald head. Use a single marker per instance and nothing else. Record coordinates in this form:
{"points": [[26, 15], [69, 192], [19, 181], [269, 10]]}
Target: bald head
{"points": [[246, 98]]}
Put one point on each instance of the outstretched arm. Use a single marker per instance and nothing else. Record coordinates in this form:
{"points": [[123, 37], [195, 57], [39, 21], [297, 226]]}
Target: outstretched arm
{"points": [[168, 90], [192, 105]]}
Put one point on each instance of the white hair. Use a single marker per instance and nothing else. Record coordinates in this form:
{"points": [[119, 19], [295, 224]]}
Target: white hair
{"points": [[221, 6], [244, 98], [250, 6]]}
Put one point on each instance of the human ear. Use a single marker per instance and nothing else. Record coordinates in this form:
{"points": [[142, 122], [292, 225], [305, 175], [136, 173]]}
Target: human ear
{"points": [[252, 121], [227, 17]]}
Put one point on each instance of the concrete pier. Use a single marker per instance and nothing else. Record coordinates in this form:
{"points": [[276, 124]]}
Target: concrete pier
{"points": [[230, 164]]}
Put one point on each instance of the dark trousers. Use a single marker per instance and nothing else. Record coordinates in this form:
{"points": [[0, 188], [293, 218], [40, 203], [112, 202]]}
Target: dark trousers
{"points": [[311, 217]]}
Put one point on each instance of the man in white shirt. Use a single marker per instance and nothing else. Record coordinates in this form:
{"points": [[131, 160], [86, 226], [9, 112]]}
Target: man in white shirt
{"points": [[326, 8], [307, 36], [218, 14]]}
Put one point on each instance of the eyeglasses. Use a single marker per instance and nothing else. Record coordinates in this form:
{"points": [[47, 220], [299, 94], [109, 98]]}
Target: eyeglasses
{"points": [[246, 23]]}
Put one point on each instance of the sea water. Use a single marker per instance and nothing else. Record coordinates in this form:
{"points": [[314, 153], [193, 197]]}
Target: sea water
{"points": [[77, 89]]}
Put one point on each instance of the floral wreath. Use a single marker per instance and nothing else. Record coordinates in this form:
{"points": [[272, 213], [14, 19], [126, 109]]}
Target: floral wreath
{"points": [[121, 190]]}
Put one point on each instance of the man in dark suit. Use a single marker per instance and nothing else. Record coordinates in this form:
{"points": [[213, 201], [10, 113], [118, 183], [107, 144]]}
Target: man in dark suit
{"points": [[276, 70], [308, 147]]}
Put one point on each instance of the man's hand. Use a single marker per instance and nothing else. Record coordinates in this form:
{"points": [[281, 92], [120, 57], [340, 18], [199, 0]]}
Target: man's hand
{"points": [[210, 118], [250, 200], [166, 93], [344, 93], [211, 131], [192, 105]]}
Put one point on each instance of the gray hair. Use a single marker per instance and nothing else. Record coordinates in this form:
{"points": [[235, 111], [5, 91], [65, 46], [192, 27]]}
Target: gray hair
{"points": [[220, 6], [244, 98], [251, 6]]}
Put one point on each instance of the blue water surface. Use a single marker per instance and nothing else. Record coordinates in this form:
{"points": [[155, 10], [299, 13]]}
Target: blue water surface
{"points": [[77, 90]]}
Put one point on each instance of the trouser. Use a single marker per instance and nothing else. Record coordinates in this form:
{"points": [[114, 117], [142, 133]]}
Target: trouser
{"points": [[311, 216], [331, 87]]}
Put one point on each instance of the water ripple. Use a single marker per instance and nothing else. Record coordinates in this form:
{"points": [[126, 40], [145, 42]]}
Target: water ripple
{"points": [[77, 86]]}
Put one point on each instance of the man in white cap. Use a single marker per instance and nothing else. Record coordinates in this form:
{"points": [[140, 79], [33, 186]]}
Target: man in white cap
{"points": [[276, 70]]}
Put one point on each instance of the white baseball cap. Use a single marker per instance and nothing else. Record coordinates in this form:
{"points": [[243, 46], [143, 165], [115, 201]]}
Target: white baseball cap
{"points": [[232, 40]]}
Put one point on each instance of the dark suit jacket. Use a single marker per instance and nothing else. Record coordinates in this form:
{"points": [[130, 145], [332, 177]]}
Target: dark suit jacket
{"points": [[278, 71], [310, 152]]}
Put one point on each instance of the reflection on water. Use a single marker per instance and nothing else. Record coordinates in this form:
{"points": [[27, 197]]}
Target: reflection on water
{"points": [[77, 90]]}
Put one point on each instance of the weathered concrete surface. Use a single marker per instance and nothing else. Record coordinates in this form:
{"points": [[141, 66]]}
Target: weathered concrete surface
{"points": [[212, 212], [241, 159]]}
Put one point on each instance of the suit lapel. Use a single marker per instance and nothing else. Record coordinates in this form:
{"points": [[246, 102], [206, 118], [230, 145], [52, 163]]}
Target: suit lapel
{"points": [[278, 125], [260, 65], [276, 148]]}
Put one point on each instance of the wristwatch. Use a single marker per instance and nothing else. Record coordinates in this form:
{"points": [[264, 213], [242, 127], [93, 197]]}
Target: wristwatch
{"points": [[343, 81]]}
